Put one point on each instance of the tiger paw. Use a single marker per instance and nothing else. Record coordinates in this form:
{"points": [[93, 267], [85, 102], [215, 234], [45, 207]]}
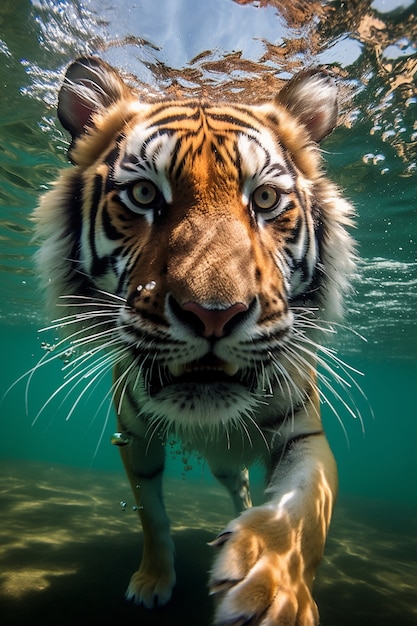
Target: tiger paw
{"points": [[257, 576], [151, 588]]}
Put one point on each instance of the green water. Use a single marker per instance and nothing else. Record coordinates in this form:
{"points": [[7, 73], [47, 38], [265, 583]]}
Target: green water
{"points": [[61, 481]]}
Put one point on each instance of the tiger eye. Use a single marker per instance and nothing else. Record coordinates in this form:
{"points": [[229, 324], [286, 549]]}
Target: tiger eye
{"points": [[265, 197], [143, 193]]}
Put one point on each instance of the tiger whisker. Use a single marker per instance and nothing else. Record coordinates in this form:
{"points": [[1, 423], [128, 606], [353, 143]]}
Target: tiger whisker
{"points": [[331, 354], [280, 373], [111, 394], [82, 341], [161, 425], [87, 355], [101, 370], [326, 400], [324, 325], [46, 359], [68, 320], [70, 338], [339, 379], [76, 376], [50, 357], [345, 366], [138, 374], [124, 377], [346, 369], [279, 368], [258, 428], [108, 294], [87, 303], [89, 369]]}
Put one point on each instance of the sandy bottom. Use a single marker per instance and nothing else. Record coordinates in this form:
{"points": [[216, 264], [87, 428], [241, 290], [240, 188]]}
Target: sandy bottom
{"points": [[68, 548]]}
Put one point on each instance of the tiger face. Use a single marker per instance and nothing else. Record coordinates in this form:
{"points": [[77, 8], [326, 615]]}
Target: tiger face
{"points": [[212, 235]]}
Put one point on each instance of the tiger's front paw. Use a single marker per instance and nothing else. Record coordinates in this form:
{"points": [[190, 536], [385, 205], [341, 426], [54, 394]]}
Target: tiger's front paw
{"points": [[154, 581], [258, 575], [151, 588]]}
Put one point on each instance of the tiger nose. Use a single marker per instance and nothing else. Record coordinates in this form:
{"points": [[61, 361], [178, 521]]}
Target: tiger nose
{"points": [[214, 320]]}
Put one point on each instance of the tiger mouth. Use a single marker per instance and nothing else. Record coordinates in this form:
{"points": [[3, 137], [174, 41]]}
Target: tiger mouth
{"points": [[206, 364], [207, 370]]}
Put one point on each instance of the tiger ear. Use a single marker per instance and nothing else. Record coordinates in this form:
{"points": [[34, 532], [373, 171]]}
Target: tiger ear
{"points": [[311, 96], [90, 85]]}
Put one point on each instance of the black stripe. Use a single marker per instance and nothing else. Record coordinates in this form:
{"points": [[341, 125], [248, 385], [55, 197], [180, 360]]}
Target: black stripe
{"points": [[169, 119], [278, 454], [73, 216], [123, 280], [98, 266], [230, 119], [295, 235], [319, 271], [151, 317], [111, 232], [293, 440], [110, 161]]}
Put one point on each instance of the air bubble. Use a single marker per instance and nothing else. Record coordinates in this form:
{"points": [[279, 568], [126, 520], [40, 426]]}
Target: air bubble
{"points": [[378, 159], [48, 347], [387, 135], [123, 505], [410, 101], [368, 158], [150, 285], [67, 355], [120, 439]]}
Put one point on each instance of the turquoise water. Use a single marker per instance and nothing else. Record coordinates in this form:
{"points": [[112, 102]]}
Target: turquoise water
{"points": [[61, 481]]}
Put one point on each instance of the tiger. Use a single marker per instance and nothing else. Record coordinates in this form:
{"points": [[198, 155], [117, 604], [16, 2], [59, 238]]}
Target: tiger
{"points": [[199, 251]]}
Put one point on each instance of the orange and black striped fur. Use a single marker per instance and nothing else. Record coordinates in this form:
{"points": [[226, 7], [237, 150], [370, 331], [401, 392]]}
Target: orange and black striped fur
{"points": [[201, 253]]}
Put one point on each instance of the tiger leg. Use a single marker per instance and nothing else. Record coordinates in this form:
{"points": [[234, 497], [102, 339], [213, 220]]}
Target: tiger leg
{"points": [[237, 484], [153, 582], [265, 567]]}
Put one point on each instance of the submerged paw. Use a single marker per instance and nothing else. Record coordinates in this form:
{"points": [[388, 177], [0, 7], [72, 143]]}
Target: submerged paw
{"points": [[258, 576], [150, 590], [265, 597]]}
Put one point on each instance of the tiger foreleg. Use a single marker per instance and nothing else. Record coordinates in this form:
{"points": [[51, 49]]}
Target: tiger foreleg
{"points": [[236, 483], [265, 568], [153, 583]]}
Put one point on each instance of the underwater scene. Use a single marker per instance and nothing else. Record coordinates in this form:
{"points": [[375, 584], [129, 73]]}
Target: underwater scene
{"points": [[69, 533]]}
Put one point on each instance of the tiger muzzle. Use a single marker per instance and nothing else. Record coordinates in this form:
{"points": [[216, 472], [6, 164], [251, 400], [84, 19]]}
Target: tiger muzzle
{"points": [[210, 323]]}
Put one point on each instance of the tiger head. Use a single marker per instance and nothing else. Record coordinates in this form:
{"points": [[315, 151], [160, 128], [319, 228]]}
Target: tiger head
{"points": [[198, 242]]}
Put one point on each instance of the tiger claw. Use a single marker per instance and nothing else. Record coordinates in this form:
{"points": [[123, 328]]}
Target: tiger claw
{"points": [[220, 540], [219, 586]]}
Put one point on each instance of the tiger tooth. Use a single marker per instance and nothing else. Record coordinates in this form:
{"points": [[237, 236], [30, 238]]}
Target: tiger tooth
{"points": [[230, 368], [176, 369]]}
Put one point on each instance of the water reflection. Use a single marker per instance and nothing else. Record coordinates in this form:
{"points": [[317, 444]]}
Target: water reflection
{"points": [[244, 48]]}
